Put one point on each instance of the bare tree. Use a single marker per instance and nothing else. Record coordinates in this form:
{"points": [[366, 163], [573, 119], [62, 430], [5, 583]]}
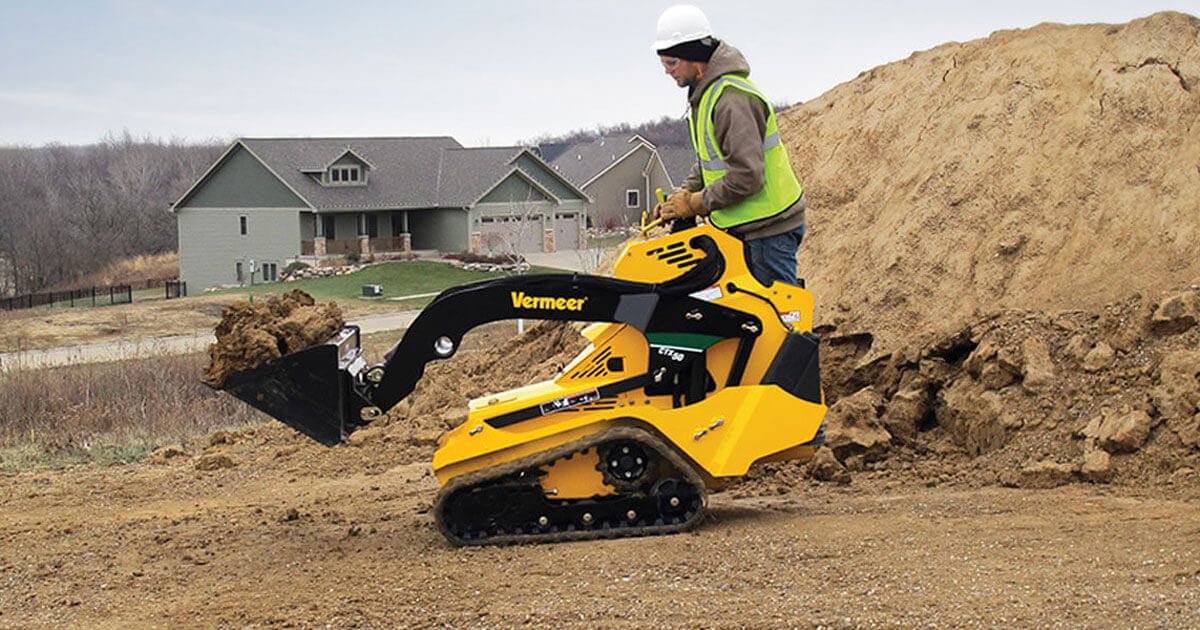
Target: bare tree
{"points": [[67, 210]]}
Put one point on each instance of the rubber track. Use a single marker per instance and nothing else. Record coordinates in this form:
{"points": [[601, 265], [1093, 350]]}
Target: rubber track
{"points": [[538, 460]]}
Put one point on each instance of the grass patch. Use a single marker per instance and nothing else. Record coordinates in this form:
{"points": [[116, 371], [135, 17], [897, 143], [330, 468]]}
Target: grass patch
{"points": [[408, 277]]}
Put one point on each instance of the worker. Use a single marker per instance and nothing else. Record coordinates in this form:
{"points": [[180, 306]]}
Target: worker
{"points": [[742, 181]]}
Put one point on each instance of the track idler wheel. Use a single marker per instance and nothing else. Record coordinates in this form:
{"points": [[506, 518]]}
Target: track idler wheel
{"points": [[624, 463]]}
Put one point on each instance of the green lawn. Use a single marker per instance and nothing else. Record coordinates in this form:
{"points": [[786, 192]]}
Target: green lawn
{"points": [[412, 277]]}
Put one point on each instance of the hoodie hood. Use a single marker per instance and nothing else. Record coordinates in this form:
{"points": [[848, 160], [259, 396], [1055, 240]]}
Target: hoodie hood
{"points": [[725, 60]]}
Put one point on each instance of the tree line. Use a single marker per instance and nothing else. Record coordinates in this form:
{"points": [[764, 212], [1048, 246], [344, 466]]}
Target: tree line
{"points": [[667, 131], [66, 211]]}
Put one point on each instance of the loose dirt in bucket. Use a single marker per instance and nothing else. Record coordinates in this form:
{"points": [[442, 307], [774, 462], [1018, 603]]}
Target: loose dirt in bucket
{"points": [[252, 334]]}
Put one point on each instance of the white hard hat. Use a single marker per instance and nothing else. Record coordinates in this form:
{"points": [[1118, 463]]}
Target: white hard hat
{"points": [[681, 23]]}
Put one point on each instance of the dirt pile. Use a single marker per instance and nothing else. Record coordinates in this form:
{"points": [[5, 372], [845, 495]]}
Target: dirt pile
{"points": [[251, 334], [1027, 398], [1044, 169]]}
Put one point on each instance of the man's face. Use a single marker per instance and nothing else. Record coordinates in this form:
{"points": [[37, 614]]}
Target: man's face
{"points": [[686, 73]]}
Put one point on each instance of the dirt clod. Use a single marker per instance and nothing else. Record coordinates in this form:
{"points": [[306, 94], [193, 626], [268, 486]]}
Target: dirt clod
{"points": [[214, 461], [252, 334]]}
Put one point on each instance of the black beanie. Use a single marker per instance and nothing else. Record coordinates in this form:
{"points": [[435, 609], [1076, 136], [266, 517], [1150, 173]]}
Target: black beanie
{"points": [[695, 50]]}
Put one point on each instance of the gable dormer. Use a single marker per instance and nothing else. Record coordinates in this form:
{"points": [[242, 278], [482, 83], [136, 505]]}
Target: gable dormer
{"points": [[347, 169]]}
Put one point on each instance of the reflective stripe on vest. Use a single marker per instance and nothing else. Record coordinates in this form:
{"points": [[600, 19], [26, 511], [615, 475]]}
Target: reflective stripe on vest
{"points": [[780, 188]]}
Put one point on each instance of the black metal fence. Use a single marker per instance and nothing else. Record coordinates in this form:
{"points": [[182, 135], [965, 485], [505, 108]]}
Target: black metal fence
{"points": [[175, 289], [94, 296]]}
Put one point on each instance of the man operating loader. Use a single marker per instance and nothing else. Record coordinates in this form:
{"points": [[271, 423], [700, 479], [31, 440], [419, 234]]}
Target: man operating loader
{"points": [[742, 181]]}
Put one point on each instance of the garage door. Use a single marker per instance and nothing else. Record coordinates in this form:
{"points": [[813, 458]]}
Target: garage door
{"points": [[510, 234], [566, 231]]}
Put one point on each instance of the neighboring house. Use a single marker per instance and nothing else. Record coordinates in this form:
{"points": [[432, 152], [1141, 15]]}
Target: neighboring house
{"points": [[269, 201], [618, 173]]}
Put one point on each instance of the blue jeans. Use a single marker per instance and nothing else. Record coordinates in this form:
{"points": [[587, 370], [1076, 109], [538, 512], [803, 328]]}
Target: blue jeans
{"points": [[774, 257]]}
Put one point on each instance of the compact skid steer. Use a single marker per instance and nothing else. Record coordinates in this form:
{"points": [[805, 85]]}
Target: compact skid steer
{"points": [[695, 371]]}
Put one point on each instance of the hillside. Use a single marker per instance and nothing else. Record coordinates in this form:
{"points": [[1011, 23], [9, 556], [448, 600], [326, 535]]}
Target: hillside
{"points": [[1053, 168]]}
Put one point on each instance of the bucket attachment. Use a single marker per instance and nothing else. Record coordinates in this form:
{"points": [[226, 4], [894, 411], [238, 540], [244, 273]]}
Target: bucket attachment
{"points": [[311, 391]]}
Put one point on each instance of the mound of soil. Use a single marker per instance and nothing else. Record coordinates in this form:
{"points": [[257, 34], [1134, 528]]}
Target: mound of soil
{"points": [[1045, 169], [250, 335], [1101, 397]]}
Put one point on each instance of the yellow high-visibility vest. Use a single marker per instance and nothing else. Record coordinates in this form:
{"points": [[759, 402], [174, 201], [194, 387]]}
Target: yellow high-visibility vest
{"points": [[780, 188]]}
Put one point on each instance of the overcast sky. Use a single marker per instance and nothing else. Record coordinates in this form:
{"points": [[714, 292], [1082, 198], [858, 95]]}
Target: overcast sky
{"points": [[486, 73]]}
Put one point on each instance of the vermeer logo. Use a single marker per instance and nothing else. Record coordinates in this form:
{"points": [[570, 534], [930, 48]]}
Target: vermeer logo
{"points": [[520, 300]]}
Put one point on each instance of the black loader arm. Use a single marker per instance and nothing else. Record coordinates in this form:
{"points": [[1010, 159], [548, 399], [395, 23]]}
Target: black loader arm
{"points": [[439, 329], [328, 391]]}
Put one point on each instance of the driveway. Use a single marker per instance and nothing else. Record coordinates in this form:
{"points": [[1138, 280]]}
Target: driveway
{"points": [[160, 346]]}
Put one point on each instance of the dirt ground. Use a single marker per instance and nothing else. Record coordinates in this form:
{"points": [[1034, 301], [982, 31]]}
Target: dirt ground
{"points": [[294, 535]]}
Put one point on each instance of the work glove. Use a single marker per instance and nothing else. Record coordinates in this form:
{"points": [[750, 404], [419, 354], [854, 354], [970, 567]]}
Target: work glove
{"points": [[681, 205], [656, 213]]}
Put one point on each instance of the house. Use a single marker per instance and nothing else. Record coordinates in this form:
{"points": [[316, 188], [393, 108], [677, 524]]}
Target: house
{"points": [[269, 201], [618, 173]]}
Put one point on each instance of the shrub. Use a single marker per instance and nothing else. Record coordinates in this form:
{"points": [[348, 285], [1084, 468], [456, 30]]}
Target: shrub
{"points": [[295, 266]]}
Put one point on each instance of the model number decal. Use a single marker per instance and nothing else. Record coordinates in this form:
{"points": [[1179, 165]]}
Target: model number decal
{"points": [[566, 402]]}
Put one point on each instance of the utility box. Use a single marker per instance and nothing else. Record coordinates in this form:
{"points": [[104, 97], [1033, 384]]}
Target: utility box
{"points": [[372, 290]]}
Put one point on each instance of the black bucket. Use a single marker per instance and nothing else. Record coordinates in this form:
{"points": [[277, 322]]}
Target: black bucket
{"points": [[311, 391]]}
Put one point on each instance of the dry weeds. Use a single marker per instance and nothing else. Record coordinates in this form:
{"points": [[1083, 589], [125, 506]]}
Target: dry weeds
{"points": [[89, 412]]}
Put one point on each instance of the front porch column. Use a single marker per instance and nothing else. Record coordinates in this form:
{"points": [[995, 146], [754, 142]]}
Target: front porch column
{"points": [[476, 242], [548, 240], [319, 246], [406, 242], [364, 236]]}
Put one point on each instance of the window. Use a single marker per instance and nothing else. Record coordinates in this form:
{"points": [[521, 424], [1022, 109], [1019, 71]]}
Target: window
{"points": [[633, 198], [240, 276], [346, 176], [242, 224], [328, 224], [270, 272]]}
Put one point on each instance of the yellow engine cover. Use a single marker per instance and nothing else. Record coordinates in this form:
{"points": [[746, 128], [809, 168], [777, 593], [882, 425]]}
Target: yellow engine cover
{"points": [[722, 435]]}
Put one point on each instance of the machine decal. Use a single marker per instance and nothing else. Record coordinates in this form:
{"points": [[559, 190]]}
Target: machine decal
{"points": [[546, 303], [566, 402]]}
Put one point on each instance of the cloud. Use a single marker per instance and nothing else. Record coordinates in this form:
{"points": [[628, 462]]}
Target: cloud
{"points": [[50, 99]]}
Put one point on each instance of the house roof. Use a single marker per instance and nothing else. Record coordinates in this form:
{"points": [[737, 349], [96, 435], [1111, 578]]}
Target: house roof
{"points": [[678, 161], [411, 172], [580, 162], [405, 172]]}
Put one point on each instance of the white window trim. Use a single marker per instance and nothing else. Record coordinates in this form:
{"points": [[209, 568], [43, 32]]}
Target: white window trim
{"points": [[345, 169], [637, 193]]}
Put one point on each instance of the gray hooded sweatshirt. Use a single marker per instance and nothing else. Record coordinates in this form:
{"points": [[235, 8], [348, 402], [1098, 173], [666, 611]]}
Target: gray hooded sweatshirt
{"points": [[739, 123]]}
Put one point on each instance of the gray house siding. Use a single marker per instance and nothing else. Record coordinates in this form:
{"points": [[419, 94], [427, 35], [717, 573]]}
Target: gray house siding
{"points": [[609, 206], [213, 245], [440, 229], [241, 181], [659, 178], [514, 190], [539, 173]]}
